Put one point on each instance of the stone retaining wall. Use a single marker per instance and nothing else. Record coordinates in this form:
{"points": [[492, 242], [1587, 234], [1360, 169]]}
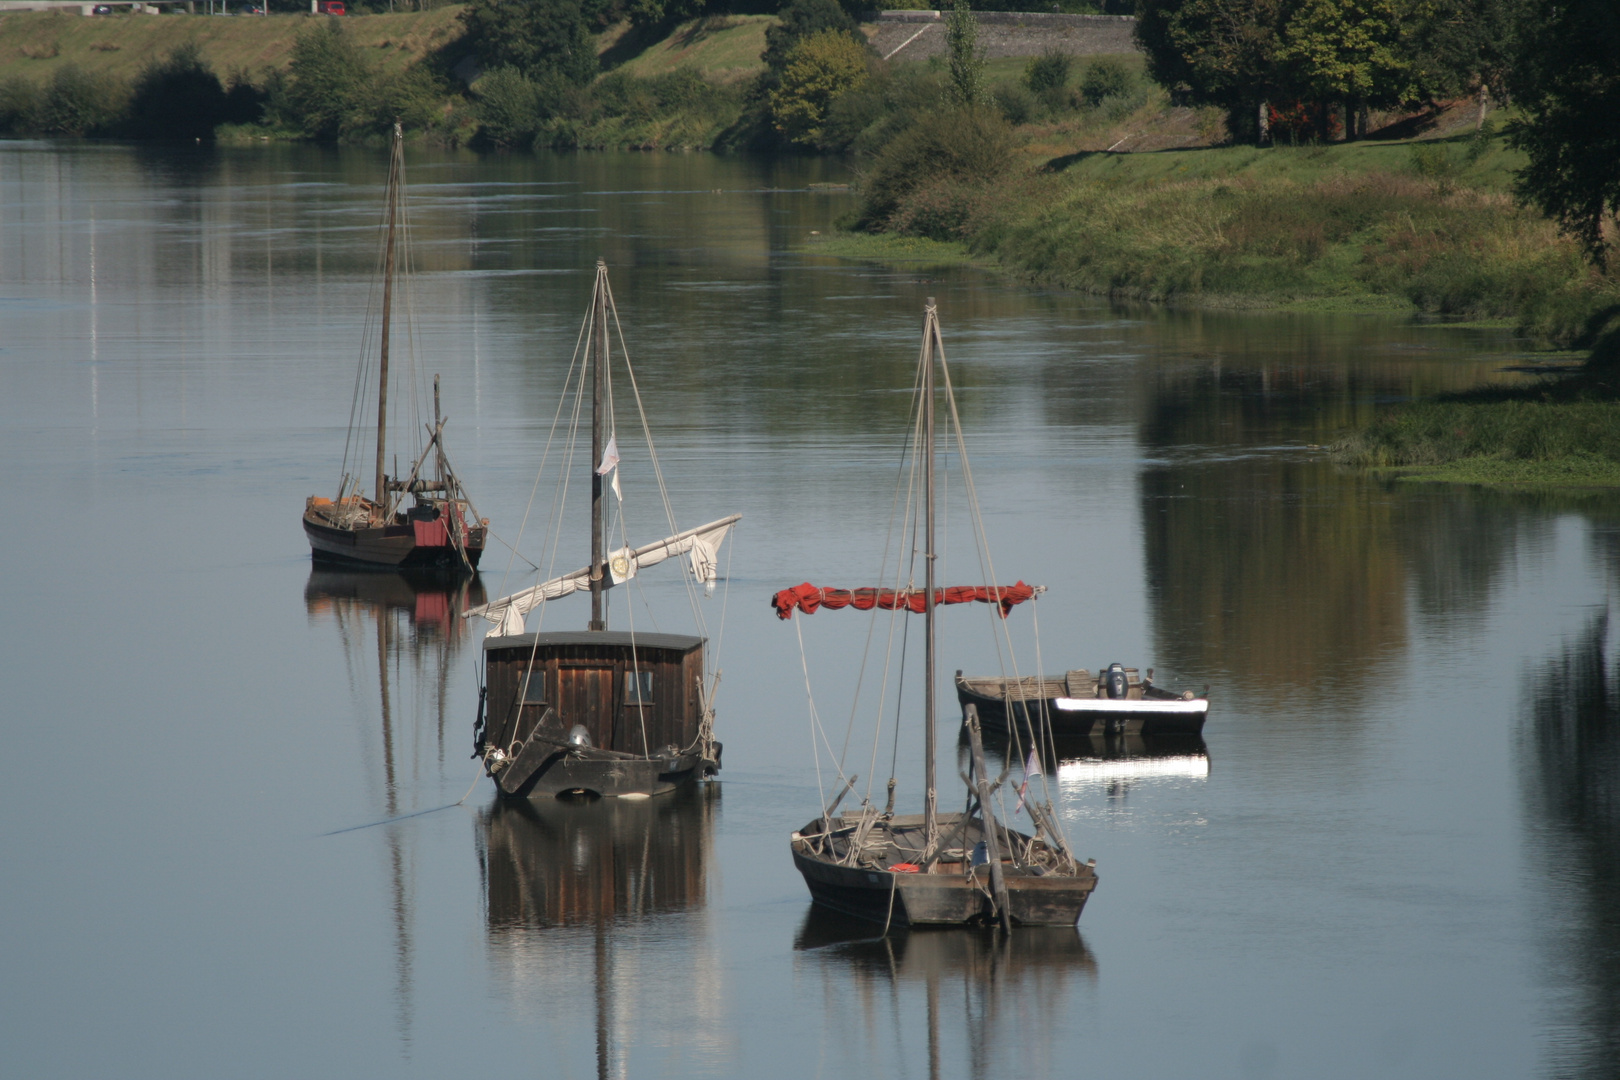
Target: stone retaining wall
{"points": [[917, 35]]}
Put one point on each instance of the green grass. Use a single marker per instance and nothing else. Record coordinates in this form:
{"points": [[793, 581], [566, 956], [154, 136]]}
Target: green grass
{"points": [[1367, 226], [724, 48], [34, 44], [889, 249], [1502, 437], [1575, 471]]}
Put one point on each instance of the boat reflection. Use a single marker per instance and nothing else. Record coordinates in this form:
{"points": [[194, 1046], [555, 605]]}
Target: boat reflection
{"points": [[418, 630], [400, 634], [1112, 764], [605, 893], [986, 994]]}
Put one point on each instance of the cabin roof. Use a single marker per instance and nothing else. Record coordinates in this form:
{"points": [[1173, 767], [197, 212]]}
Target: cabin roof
{"points": [[612, 638]]}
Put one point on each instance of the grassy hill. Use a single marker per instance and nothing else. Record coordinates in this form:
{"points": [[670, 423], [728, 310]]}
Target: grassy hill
{"points": [[723, 47], [34, 44]]}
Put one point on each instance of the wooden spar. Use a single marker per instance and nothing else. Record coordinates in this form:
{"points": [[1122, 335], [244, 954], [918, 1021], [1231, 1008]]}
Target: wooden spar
{"points": [[930, 809], [395, 162], [438, 426], [598, 393], [992, 842]]}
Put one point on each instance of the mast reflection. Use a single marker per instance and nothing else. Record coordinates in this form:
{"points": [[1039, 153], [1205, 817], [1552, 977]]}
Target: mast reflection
{"points": [[409, 629], [567, 879], [983, 990]]}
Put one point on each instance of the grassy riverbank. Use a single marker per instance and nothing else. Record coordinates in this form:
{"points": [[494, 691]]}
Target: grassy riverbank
{"points": [[1398, 226], [35, 45], [1561, 433]]}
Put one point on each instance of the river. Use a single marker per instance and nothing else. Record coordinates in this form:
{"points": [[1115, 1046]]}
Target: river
{"points": [[1393, 854]]}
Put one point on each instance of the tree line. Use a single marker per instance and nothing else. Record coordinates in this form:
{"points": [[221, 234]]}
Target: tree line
{"points": [[1314, 69]]}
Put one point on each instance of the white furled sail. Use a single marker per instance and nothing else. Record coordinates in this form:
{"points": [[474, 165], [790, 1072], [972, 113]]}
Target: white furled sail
{"points": [[702, 543]]}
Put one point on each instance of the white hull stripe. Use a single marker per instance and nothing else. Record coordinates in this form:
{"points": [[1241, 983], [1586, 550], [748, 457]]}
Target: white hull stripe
{"points": [[1113, 705]]}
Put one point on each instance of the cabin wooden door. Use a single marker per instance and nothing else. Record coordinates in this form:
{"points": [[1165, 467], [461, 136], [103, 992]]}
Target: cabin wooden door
{"points": [[585, 696]]}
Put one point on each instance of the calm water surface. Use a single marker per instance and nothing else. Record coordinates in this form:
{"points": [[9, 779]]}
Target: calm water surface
{"points": [[1393, 855]]}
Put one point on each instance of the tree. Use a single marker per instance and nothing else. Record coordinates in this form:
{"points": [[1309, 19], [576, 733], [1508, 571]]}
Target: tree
{"points": [[1568, 84], [1458, 46], [1215, 52], [967, 61], [820, 69], [178, 97], [325, 80], [1346, 50], [79, 102], [533, 36], [802, 19]]}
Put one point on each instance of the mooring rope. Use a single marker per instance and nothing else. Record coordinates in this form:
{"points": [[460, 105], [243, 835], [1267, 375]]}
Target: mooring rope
{"points": [[413, 813]]}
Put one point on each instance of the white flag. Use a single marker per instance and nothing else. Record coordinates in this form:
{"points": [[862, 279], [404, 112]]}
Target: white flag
{"points": [[610, 456], [610, 463], [622, 565], [1032, 768]]}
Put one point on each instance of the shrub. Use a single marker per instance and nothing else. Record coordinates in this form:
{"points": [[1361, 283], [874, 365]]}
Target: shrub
{"points": [[79, 102], [1105, 77], [1047, 72], [413, 97], [325, 82], [244, 102], [968, 145], [1016, 104], [803, 19], [820, 69], [20, 102], [939, 209], [507, 104], [178, 97], [534, 36]]}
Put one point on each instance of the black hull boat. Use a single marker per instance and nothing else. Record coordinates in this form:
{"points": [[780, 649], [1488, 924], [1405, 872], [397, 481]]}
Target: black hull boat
{"points": [[934, 869], [596, 712], [440, 531], [400, 546], [950, 891], [1081, 704]]}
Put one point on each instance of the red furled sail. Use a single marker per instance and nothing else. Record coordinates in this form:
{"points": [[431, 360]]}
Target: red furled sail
{"points": [[808, 598]]}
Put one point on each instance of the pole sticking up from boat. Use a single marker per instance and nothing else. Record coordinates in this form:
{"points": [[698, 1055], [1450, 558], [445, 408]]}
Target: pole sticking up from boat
{"points": [[598, 443], [395, 161], [930, 800]]}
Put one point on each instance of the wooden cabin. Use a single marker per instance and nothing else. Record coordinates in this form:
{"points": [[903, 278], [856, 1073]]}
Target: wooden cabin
{"points": [[634, 693]]}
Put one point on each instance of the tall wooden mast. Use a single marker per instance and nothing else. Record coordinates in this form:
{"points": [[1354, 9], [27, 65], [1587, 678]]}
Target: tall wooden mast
{"points": [[930, 801], [396, 162], [599, 373]]}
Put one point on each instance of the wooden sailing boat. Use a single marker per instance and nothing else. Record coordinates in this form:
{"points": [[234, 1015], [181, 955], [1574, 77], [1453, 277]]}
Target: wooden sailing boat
{"points": [[937, 868], [440, 530], [600, 712]]}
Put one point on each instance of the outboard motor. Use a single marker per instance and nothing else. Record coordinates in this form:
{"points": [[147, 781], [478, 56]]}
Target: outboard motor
{"points": [[1116, 682]]}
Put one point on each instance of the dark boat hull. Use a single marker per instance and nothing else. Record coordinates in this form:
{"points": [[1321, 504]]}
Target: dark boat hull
{"points": [[945, 898], [391, 547], [562, 773], [1147, 717]]}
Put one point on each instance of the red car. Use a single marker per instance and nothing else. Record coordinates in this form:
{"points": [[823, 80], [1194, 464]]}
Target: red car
{"points": [[328, 7]]}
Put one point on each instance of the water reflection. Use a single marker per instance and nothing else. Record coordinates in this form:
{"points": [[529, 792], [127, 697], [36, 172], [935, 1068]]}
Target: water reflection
{"points": [[1112, 764], [416, 633], [400, 635], [990, 1000], [586, 902], [1571, 777]]}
